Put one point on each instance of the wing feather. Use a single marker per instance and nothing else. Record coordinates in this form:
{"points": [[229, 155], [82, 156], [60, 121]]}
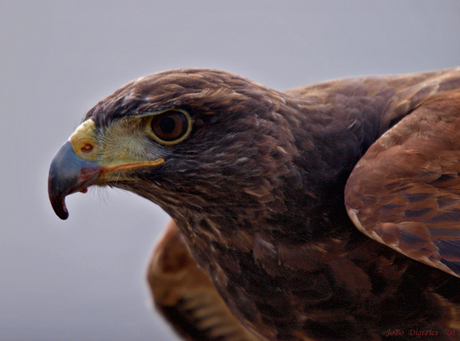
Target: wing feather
{"points": [[405, 191]]}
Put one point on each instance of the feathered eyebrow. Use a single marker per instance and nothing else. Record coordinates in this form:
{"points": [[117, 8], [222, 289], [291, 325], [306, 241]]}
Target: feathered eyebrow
{"points": [[131, 117], [141, 114], [149, 113]]}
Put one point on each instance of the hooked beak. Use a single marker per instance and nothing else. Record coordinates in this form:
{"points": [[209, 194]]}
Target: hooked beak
{"points": [[77, 166], [69, 174]]}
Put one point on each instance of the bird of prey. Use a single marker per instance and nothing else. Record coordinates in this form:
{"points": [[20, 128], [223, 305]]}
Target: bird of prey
{"points": [[324, 212]]}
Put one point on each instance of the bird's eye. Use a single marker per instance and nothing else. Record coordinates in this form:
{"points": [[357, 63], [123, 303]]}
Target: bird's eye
{"points": [[171, 127]]}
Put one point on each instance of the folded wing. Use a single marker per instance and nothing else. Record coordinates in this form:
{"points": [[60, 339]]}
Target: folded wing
{"points": [[405, 191]]}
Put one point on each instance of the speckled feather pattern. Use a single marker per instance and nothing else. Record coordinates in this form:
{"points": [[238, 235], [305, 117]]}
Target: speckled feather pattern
{"points": [[257, 191]]}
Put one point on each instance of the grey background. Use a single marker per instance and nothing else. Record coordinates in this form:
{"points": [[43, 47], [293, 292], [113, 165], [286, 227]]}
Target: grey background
{"points": [[83, 279]]}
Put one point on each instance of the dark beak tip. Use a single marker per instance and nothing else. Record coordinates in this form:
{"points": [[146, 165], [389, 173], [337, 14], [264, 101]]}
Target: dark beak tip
{"points": [[59, 207]]}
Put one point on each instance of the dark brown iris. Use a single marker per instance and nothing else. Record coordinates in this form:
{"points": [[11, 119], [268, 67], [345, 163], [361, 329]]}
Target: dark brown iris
{"points": [[170, 126]]}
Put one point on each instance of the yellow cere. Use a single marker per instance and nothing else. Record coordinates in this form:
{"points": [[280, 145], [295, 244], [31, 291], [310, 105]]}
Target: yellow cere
{"points": [[111, 157], [84, 140]]}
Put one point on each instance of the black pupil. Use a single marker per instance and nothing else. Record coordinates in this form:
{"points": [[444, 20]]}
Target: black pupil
{"points": [[167, 125]]}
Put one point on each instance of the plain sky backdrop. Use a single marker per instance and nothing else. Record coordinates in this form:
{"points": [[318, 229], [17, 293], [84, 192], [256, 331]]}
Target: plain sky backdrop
{"points": [[83, 279]]}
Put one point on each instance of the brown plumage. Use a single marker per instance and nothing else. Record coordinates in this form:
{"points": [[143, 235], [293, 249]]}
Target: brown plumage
{"points": [[256, 181], [186, 296]]}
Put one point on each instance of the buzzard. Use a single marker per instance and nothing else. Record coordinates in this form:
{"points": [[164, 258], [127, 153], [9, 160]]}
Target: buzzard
{"points": [[324, 212]]}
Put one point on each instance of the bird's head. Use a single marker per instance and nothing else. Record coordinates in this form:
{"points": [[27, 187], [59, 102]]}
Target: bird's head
{"points": [[193, 139]]}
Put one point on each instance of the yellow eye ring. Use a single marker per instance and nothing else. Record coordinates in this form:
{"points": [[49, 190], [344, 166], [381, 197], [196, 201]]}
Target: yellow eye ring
{"points": [[170, 127]]}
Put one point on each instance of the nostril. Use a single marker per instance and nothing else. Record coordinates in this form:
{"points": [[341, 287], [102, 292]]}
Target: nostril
{"points": [[87, 148]]}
